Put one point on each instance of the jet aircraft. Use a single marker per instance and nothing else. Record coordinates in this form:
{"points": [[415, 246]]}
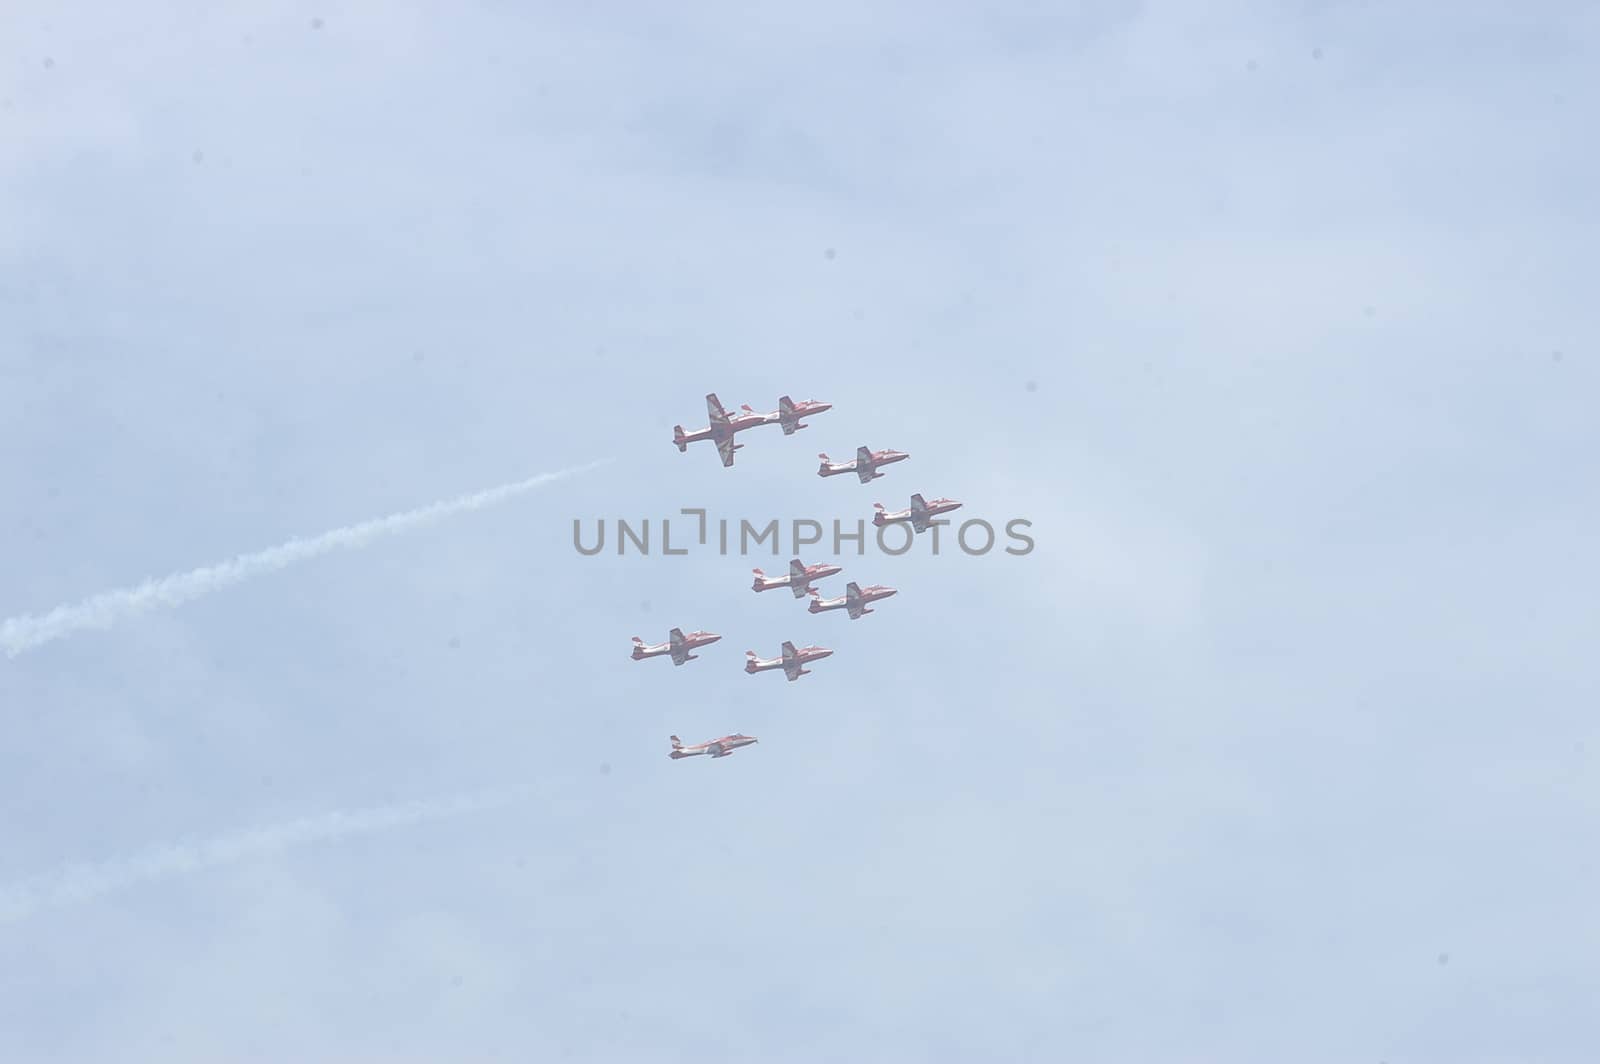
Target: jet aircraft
{"points": [[790, 412], [854, 601], [920, 515], [792, 662], [715, 748], [799, 577], [722, 429], [864, 465], [678, 645]]}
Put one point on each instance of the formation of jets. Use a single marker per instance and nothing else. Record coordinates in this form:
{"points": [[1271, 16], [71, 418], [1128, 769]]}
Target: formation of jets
{"points": [[856, 601]]}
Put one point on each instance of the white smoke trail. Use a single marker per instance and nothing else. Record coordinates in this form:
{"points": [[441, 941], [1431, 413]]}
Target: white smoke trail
{"points": [[104, 610], [23, 899]]}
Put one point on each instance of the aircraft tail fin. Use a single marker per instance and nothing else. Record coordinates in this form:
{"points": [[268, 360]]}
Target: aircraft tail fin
{"points": [[677, 743], [677, 438]]}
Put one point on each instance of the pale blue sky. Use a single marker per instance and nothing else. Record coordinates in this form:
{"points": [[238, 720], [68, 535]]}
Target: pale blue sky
{"points": [[1281, 745]]}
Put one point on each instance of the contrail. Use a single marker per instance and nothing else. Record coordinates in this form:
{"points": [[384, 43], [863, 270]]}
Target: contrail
{"points": [[106, 609], [81, 883]]}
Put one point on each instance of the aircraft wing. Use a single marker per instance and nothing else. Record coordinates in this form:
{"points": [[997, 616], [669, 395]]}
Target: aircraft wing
{"points": [[791, 668], [864, 473], [714, 409], [725, 448], [863, 456]]}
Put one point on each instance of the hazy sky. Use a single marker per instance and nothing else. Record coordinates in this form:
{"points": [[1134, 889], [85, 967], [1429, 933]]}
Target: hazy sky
{"points": [[1276, 320]]}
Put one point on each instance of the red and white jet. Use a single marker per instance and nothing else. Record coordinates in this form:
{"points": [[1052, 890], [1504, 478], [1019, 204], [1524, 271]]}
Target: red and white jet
{"points": [[865, 464], [921, 513], [798, 579], [722, 429], [678, 645], [854, 600], [792, 662], [715, 748], [790, 412]]}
